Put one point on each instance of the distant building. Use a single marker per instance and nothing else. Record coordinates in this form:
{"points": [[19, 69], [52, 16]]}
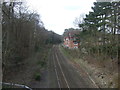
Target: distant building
{"points": [[70, 40]]}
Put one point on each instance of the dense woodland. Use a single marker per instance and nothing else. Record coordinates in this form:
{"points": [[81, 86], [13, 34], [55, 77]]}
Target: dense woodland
{"points": [[99, 30], [23, 34]]}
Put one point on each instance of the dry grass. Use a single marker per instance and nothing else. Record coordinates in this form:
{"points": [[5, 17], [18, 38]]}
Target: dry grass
{"points": [[104, 72]]}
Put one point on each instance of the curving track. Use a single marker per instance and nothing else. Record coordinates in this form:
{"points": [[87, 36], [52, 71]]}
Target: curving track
{"points": [[61, 74]]}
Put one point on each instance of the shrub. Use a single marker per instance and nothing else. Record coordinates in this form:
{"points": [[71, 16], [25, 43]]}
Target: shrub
{"points": [[37, 76], [42, 63], [37, 48]]}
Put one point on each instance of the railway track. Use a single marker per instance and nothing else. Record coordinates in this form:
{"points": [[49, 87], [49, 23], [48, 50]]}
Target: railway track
{"points": [[63, 75]]}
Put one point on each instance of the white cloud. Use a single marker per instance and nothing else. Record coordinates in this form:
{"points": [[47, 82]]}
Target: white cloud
{"points": [[58, 15]]}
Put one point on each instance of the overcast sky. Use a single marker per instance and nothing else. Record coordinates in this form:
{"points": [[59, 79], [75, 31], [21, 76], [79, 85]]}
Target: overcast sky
{"points": [[58, 15]]}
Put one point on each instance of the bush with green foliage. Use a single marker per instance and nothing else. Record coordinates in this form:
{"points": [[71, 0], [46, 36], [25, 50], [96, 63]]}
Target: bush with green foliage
{"points": [[37, 77]]}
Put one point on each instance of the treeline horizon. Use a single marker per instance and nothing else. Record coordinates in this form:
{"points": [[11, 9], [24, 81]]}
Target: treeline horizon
{"points": [[99, 30], [23, 34]]}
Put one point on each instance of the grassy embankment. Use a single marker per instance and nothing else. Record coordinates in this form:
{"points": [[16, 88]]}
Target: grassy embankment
{"points": [[31, 69], [103, 73]]}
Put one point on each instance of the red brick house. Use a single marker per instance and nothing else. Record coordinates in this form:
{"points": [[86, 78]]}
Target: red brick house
{"points": [[70, 40]]}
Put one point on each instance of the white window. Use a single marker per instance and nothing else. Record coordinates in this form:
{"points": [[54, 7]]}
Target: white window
{"points": [[75, 47], [75, 43]]}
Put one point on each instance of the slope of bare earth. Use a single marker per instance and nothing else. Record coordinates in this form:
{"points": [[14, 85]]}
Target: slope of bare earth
{"points": [[101, 75]]}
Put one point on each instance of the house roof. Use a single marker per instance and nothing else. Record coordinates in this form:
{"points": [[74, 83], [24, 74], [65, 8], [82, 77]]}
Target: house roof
{"points": [[71, 33]]}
